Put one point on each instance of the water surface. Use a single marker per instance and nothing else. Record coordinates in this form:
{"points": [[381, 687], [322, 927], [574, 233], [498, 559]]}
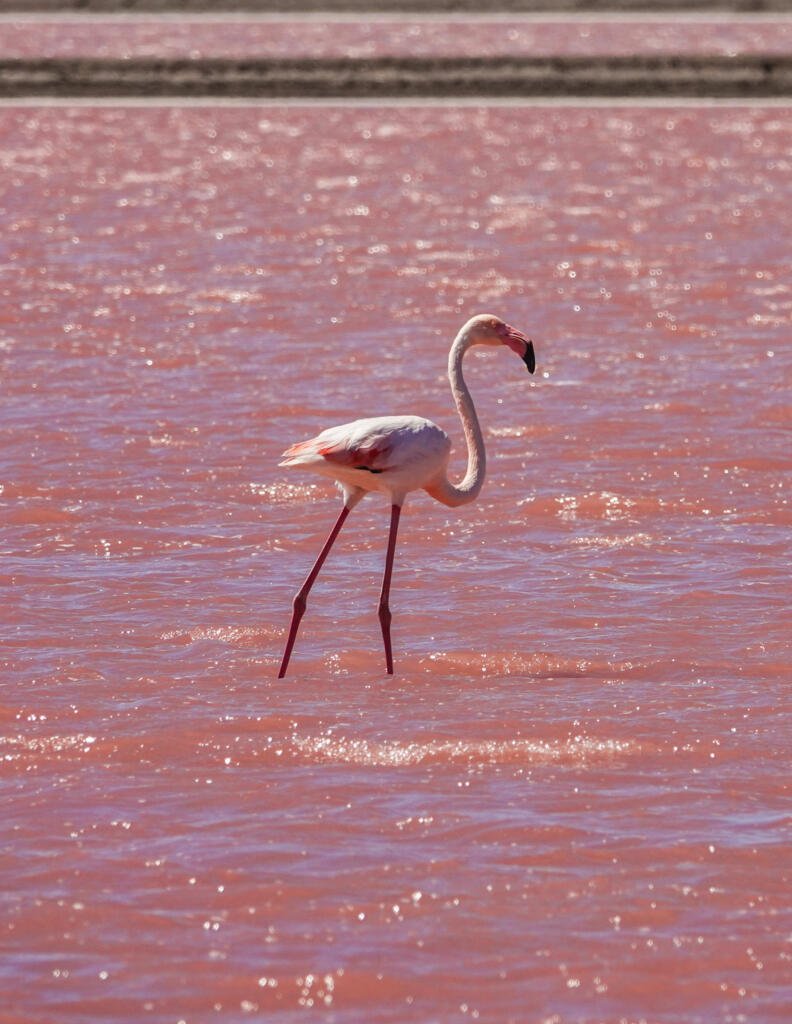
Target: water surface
{"points": [[570, 803], [247, 36]]}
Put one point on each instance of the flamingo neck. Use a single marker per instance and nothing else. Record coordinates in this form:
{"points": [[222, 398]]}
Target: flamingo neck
{"points": [[470, 485]]}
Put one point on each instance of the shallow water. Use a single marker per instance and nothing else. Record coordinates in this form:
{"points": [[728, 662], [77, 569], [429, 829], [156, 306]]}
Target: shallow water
{"points": [[241, 37], [570, 803]]}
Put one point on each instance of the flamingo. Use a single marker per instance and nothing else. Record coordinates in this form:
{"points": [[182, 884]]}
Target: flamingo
{"points": [[398, 454]]}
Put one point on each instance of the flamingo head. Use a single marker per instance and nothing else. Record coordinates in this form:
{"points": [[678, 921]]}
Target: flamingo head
{"points": [[486, 329]]}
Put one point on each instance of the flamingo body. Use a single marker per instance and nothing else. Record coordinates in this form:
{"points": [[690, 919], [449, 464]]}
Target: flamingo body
{"points": [[398, 454], [390, 454]]}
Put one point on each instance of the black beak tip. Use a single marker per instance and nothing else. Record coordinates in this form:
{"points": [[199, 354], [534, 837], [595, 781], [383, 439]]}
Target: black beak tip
{"points": [[529, 358]]}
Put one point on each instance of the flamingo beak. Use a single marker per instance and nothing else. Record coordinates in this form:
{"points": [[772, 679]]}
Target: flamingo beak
{"points": [[518, 343]]}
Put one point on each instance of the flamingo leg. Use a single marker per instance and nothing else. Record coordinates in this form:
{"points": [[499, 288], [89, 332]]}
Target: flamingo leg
{"points": [[384, 608], [301, 597]]}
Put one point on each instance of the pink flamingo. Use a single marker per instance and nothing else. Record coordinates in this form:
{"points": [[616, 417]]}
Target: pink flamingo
{"points": [[398, 454]]}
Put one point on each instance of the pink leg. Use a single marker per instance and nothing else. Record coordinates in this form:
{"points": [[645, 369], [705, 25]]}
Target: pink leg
{"points": [[384, 608], [302, 594]]}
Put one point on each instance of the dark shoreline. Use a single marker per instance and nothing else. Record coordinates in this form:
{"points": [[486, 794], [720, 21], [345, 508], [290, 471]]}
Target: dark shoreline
{"points": [[744, 77]]}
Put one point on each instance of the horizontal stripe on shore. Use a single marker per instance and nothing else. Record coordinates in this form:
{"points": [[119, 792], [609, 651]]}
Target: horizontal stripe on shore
{"points": [[745, 76]]}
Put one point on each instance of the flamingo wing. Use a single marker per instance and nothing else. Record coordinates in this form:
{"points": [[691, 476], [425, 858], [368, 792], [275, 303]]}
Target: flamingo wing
{"points": [[370, 453], [353, 445]]}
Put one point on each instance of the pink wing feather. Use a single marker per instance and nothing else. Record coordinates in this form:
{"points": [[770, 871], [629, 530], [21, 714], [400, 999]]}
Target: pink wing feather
{"points": [[372, 454], [369, 451]]}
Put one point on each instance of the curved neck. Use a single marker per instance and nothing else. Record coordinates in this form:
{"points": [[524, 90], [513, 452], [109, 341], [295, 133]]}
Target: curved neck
{"points": [[469, 487]]}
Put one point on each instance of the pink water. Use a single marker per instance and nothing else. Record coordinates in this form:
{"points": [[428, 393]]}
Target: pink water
{"points": [[571, 802], [313, 37]]}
